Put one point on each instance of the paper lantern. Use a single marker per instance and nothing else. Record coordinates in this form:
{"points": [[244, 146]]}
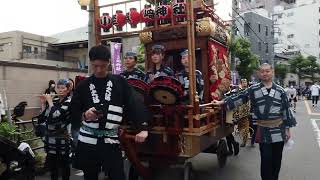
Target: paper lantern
{"points": [[179, 10], [119, 20], [147, 15], [163, 12], [133, 17], [105, 22]]}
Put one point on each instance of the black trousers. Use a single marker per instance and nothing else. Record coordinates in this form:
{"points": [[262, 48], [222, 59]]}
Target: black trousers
{"points": [[271, 156], [230, 142], [93, 157], [253, 137], [59, 163], [315, 99]]}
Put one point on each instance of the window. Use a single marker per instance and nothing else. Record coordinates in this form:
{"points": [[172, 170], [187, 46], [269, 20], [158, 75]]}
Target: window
{"points": [[319, 21], [290, 36], [35, 50], [1, 48], [259, 46], [267, 48], [27, 49], [280, 15], [247, 29], [290, 14], [291, 47], [267, 31], [259, 27]]}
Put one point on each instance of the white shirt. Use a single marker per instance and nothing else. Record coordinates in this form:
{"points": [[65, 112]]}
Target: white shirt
{"points": [[292, 92], [315, 90]]}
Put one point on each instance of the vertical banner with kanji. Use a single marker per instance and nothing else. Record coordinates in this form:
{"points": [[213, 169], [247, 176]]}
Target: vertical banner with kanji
{"points": [[116, 57]]}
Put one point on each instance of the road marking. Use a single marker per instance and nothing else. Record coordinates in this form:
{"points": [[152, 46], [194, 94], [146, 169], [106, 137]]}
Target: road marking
{"points": [[79, 173], [309, 109], [316, 129]]}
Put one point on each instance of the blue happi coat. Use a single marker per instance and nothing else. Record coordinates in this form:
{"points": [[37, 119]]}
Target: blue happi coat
{"points": [[266, 104]]}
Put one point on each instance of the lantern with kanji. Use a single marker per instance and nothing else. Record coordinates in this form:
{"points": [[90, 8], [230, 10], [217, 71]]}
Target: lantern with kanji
{"points": [[133, 17], [119, 20], [179, 10], [163, 13], [105, 22], [147, 15]]}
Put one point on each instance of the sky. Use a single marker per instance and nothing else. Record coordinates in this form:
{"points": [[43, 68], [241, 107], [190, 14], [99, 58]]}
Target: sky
{"points": [[48, 17]]}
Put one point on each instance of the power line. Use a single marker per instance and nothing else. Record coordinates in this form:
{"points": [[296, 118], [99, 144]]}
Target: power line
{"points": [[248, 24], [249, 6], [238, 28]]}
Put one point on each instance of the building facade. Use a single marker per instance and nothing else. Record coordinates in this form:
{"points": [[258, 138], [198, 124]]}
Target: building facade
{"points": [[247, 5], [297, 29], [30, 48], [258, 29]]}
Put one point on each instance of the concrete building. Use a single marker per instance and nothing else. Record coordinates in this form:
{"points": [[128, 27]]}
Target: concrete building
{"points": [[247, 5], [257, 28], [297, 28], [27, 62], [23, 47]]}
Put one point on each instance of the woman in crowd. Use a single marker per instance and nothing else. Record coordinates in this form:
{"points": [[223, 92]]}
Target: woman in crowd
{"points": [[57, 138]]}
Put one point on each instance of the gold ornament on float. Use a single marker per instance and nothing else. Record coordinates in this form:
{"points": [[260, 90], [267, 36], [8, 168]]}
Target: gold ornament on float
{"points": [[145, 37]]}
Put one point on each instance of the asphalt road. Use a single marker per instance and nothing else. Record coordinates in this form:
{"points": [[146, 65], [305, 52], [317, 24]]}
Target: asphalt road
{"points": [[299, 163]]}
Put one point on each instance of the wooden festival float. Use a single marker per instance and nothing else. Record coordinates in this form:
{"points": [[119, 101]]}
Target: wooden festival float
{"points": [[177, 131]]}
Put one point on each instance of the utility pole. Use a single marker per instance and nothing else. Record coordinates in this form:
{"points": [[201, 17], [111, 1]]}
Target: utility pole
{"points": [[274, 27], [233, 31], [235, 9], [91, 32]]}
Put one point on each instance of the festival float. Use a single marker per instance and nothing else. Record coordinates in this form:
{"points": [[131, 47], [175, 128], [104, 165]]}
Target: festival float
{"points": [[177, 131]]}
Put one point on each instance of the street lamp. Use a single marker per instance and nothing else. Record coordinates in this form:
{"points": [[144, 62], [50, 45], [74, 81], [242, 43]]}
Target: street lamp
{"points": [[84, 4], [91, 30]]}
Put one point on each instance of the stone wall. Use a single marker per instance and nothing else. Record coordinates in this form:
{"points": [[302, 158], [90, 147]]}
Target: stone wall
{"points": [[24, 82]]}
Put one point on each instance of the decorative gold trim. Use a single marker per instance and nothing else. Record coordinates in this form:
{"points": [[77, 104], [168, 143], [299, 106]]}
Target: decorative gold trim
{"points": [[205, 27], [145, 37], [228, 37]]}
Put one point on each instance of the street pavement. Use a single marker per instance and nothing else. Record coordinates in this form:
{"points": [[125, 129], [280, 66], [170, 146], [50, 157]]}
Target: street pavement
{"points": [[299, 163]]}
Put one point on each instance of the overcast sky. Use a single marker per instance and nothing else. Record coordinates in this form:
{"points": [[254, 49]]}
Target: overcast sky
{"points": [[47, 17]]}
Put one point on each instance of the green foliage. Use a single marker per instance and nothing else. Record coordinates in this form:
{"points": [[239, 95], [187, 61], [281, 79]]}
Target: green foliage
{"points": [[141, 67], [281, 71], [141, 53], [8, 130], [304, 66], [249, 62]]}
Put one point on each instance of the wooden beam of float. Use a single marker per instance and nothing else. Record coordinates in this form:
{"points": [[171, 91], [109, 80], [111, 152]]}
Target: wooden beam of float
{"points": [[96, 21]]}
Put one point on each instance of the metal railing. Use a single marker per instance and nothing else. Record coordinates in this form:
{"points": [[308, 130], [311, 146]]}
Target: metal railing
{"points": [[23, 130]]}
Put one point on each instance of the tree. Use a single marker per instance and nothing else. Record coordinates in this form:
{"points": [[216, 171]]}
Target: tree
{"points": [[248, 62], [313, 67], [141, 53], [304, 67], [281, 71], [295, 66]]}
